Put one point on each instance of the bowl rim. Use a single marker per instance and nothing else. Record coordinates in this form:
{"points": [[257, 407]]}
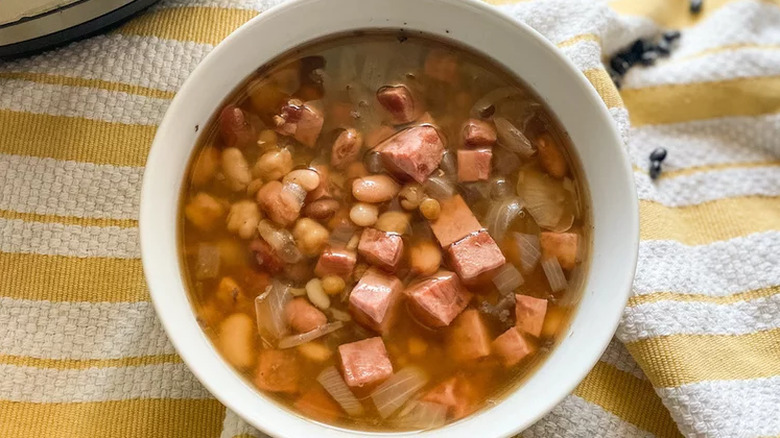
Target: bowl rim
{"points": [[194, 360]]}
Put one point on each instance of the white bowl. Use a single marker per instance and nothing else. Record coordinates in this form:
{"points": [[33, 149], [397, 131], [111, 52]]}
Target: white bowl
{"points": [[518, 48]]}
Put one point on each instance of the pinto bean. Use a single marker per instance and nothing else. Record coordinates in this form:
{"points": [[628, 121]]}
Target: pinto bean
{"points": [[236, 169], [321, 209], [235, 129], [374, 188], [346, 148]]}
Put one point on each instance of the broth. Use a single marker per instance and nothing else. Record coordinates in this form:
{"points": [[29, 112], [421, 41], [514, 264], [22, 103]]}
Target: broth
{"points": [[383, 231]]}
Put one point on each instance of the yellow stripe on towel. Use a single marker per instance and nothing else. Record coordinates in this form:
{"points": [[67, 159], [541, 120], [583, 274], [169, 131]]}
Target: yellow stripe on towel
{"points": [[628, 397], [69, 220], [603, 84], [75, 138], [58, 278], [709, 222], [704, 100], [676, 360], [197, 24], [144, 418], [78, 364], [53, 79], [755, 294]]}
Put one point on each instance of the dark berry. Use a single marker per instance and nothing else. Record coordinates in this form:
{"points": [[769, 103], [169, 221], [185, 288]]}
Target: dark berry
{"points": [[639, 47], [696, 6], [658, 154], [672, 35], [649, 57], [619, 65], [664, 48], [655, 169]]}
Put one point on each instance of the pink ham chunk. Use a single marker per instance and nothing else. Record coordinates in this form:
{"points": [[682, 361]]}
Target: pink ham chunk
{"points": [[302, 317], [399, 103], [479, 134], [474, 255], [468, 338], [283, 206], [529, 314], [437, 300], [456, 393], [474, 164], [455, 221], [381, 249], [301, 121], [415, 152], [374, 300], [365, 362], [336, 261], [511, 347]]}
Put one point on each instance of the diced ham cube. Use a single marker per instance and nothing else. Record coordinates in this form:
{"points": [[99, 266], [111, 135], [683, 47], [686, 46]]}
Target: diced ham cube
{"points": [[381, 249], [302, 317], [235, 129], [529, 314], [365, 362], [277, 371], [442, 65], [511, 347], [300, 120], [456, 393], [415, 152], [474, 164], [479, 134], [455, 221], [346, 148], [282, 206], [560, 245], [474, 255], [374, 300], [437, 300], [335, 261], [468, 338], [318, 404], [399, 103]]}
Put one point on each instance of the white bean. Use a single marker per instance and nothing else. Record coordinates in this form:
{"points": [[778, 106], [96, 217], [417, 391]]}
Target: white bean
{"points": [[236, 169], [363, 215], [317, 294], [235, 339], [243, 218], [306, 178], [374, 188]]}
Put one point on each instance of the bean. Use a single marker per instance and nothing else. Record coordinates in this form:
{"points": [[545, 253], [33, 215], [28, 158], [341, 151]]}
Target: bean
{"points": [[695, 6], [321, 209], [236, 169], [306, 178], [316, 294], [333, 284], [373, 162], [672, 35], [363, 215], [655, 169], [310, 236], [411, 195], [353, 242], [430, 208], [205, 166], [393, 222], [359, 270], [425, 258], [374, 188], [204, 211], [346, 148], [235, 339], [315, 351], [273, 165], [243, 218], [340, 315], [267, 139]]}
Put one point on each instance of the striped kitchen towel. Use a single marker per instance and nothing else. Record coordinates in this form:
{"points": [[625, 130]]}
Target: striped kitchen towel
{"points": [[697, 353]]}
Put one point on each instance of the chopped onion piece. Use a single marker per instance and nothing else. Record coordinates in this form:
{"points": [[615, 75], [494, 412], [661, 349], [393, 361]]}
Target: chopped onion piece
{"points": [[297, 291], [302, 338], [269, 307], [439, 187], [512, 138], [422, 415], [530, 253], [551, 206], [280, 241], [507, 279], [482, 104], [395, 391], [501, 215], [341, 235], [331, 380], [554, 273], [505, 162], [340, 315], [298, 192], [449, 164]]}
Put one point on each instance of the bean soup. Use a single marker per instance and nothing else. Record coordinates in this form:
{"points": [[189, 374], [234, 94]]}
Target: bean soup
{"points": [[384, 231]]}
